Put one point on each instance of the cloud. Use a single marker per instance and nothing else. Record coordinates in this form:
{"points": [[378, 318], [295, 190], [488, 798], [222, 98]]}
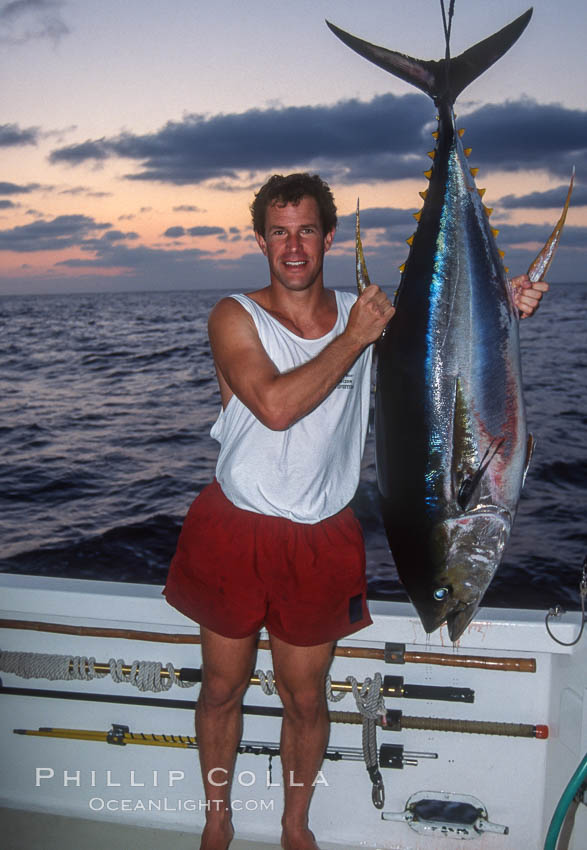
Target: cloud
{"points": [[155, 262], [397, 224], [7, 205], [349, 141], [221, 147], [84, 190], [202, 230], [525, 135], [522, 234], [65, 231], [545, 200], [29, 20], [15, 189], [11, 135], [187, 208]]}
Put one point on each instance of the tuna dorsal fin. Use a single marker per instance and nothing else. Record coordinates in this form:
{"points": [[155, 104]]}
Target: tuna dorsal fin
{"points": [[430, 76]]}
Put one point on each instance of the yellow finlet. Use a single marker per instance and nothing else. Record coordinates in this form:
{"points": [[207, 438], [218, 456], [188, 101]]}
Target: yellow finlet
{"points": [[435, 134], [423, 194], [474, 171], [428, 174], [501, 253], [468, 151], [417, 215], [431, 154], [506, 269], [488, 211], [402, 268], [481, 192], [410, 240], [461, 132], [495, 231]]}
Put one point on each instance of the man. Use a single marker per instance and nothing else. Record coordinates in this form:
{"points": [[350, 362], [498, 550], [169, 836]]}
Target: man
{"points": [[272, 542]]}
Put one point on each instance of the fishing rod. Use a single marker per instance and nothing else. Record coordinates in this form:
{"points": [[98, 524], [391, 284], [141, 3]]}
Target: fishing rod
{"points": [[393, 653], [393, 720], [390, 755]]}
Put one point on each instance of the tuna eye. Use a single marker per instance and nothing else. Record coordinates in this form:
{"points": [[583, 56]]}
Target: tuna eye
{"points": [[441, 593]]}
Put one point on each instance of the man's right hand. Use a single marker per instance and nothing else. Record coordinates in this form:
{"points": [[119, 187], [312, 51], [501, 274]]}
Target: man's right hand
{"points": [[369, 316]]}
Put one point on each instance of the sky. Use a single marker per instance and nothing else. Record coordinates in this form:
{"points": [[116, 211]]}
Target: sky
{"points": [[134, 134]]}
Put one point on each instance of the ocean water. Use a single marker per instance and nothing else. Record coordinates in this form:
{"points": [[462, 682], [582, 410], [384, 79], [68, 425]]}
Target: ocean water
{"points": [[106, 403]]}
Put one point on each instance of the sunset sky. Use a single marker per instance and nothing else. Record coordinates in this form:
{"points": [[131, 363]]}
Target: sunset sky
{"points": [[133, 134]]}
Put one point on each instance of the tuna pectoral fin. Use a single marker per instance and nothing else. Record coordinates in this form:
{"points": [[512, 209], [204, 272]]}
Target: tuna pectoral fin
{"points": [[540, 265], [431, 76], [469, 485]]}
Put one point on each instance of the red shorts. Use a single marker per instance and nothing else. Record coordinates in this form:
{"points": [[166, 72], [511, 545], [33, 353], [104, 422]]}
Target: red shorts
{"points": [[235, 571]]}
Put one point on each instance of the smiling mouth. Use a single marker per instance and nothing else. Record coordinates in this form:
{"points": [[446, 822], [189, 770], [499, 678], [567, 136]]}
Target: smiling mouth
{"points": [[295, 263]]}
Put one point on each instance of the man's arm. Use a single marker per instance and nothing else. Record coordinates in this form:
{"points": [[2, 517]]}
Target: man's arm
{"points": [[527, 295], [280, 399]]}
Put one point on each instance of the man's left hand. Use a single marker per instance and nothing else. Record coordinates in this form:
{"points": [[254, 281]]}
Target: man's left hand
{"points": [[527, 295]]}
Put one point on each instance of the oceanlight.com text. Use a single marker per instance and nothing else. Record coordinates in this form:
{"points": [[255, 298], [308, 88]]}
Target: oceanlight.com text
{"points": [[99, 804]]}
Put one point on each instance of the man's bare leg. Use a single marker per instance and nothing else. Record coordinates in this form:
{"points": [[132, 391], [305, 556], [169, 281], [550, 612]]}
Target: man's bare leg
{"points": [[300, 672], [226, 669]]}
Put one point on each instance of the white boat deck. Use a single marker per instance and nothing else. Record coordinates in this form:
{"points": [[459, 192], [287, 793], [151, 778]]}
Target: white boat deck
{"points": [[22, 830], [87, 794]]}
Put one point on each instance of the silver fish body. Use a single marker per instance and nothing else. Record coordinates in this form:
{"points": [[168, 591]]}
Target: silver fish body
{"points": [[449, 400], [451, 438]]}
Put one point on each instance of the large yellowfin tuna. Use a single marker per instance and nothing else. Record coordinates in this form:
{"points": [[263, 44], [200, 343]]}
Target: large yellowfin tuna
{"points": [[451, 437]]}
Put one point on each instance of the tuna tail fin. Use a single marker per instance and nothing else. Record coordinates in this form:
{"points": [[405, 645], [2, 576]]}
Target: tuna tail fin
{"points": [[431, 76]]}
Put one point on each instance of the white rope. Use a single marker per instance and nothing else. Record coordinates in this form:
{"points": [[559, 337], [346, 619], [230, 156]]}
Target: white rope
{"points": [[370, 704], [144, 675]]}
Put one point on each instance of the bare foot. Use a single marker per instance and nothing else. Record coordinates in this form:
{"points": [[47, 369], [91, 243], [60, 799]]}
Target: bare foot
{"points": [[298, 839], [217, 835]]}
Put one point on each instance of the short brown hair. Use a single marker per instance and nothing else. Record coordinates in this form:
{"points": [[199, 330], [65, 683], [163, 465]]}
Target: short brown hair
{"points": [[290, 190]]}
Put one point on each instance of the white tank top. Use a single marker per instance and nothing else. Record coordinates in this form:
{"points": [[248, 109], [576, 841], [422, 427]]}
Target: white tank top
{"points": [[311, 470]]}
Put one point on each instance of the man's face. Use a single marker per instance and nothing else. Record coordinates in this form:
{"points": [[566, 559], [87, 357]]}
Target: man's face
{"points": [[294, 243]]}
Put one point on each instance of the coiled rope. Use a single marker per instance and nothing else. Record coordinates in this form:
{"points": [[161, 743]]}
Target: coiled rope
{"points": [[143, 675], [370, 704]]}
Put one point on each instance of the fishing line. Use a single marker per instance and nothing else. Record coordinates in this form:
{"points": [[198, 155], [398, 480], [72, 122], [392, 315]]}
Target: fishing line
{"points": [[447, 26]]}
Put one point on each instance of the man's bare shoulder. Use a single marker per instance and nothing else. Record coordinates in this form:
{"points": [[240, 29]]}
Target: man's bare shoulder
{"points": [[230, 322], [227, 309]]}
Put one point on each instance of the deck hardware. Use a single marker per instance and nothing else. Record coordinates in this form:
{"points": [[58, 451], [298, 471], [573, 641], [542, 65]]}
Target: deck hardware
{"points": [[392, 755], [116, 735], [436, 814], [558, 611], [394, 653], [444, 659], [393, 686], [378, 788]]}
